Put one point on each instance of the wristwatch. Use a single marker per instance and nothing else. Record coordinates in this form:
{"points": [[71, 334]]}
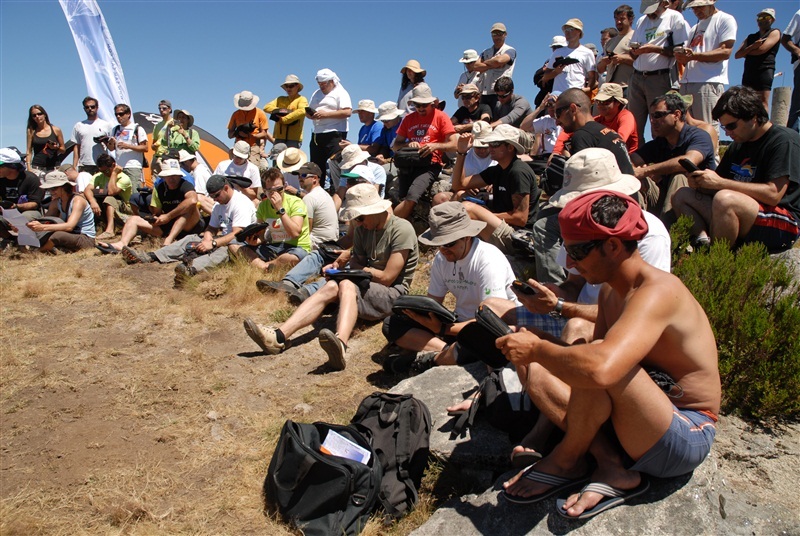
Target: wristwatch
{"points": [[556, 312], [214, 245], [282, 211]]}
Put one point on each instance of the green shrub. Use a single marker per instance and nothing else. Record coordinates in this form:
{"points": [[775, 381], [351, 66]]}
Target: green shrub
{"points": [[753, 305]]}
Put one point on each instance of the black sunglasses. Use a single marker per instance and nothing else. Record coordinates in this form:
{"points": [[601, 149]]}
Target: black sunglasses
{"points": [[578, 252], [450, 244], [730, 127], [118, 114], [560, 110], [503, 95], [660, 115], [90, 107]]}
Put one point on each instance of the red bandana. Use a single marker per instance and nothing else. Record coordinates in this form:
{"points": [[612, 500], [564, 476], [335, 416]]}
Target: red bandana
{"points": [[577, 223]]}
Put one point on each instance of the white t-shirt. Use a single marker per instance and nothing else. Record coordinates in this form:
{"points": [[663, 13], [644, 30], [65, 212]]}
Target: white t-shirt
{"points": [[657, 32], [337, 99], [655, 248], [201, 174], [248, 171], [82, 181], [467, 77], [238, 212], [83, 134], [547, 127], [321, 209], [793, 31], [135, 135], [705, 36], [473, 164], [490, 77], [483, 273], [573, 76], [378, 172]]}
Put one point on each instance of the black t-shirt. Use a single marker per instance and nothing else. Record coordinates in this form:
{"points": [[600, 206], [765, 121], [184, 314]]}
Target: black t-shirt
{"points": [[690, 138], [464, 116], [517, 178], [172, 198], [776, 154], [593, 134], [26, 184]]}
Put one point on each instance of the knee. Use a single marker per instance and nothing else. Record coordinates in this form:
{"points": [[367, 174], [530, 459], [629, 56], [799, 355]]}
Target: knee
{"points": [[501, 307], [346, 289], [577, 330], [680, 197], [442, 197]]}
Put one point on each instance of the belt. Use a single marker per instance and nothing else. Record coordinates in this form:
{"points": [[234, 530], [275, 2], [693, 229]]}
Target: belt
{"points": [[651, 73]]}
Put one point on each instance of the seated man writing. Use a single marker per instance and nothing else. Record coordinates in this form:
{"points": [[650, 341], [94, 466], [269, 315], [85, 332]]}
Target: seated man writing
{"points": [[383, 245], [647, 322]]}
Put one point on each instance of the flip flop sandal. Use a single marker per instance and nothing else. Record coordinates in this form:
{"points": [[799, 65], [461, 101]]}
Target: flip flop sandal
{"points": [[106, 249], [613, 497], [520, 460], [558, 483]]}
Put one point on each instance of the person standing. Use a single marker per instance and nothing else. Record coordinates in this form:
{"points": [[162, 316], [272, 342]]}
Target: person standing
{"points": [[86, 135], [129, 140], [759, 50], [496, 61], [578, 74], [249, 124], [791, 42], [44, 140], [288, 113], [161, 135], [617, 63], [329, 108], [413, 75]]}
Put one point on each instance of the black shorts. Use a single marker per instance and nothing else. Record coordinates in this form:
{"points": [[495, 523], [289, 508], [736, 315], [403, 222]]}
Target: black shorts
{"points": [[414, 183], [760, 80]]}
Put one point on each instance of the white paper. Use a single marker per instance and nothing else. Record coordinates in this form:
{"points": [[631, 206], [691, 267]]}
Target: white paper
{"points": [[338, 445], [26, 236]]}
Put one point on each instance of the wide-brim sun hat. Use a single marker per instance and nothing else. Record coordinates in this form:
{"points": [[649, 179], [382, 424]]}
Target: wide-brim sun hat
{"points": [[291, 159], [245, 100], [506, 134], [593, 169], [480, 131], [388, 111], [448, 223], [469, 56], [422, 94], [54, 179], [293, 79], [170, 168], [558, 41], [188, 115], [352, 155], [241, 149], [366, 105], [698, 3], [363, 200], [413, 65]]}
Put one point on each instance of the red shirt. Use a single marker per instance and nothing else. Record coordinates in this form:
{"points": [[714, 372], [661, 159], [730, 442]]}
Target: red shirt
{"points": [[429, 129], [625, 125]]}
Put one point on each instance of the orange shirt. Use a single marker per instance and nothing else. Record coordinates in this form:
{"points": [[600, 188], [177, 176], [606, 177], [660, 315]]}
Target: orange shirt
{"points": [[256, 116]]}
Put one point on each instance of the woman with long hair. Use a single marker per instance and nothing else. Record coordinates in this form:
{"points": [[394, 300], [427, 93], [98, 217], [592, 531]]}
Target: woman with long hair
{"points": [[77, 230], [45, 142], [413, 74]]}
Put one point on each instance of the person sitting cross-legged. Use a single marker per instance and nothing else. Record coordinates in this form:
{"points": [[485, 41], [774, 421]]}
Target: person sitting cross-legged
{"points": [[77, 232], [385, 246], [174, 206]]}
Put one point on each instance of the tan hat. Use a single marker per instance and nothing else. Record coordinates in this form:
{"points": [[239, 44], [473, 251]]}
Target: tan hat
{"points": [[498, 27], [469, 89], [470, 56], [366, 105], [413, 65], [188, 115], [506, 134], [449, 222], [648, 7], [241, 149], [292, 79], [184, 155], [768, 11], [698, 3], [245, 100], [363, 200], [54, 179], [480, 130], [574, 23], [422, 93], [610, 90], [353, 155], [388, 111], [170, 168], [291, 159], [593, 169]]}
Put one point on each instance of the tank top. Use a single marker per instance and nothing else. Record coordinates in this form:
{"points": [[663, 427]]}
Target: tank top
{"points": [[43, 156], [85, 224]]}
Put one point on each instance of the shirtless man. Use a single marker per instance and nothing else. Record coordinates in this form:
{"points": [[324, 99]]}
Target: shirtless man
{"points": [[647, 321]]}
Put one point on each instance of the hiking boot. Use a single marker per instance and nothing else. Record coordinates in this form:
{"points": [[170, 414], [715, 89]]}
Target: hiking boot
{"points": [[399, 362], [183, 274], [264, 337], [334, 347], [422, 362], [267, 287], [298, 296], [132, 256]]}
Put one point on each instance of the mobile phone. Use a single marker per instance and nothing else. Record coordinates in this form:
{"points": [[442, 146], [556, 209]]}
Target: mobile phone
{"points": [[332, 271], [523, 288], [688, 165], [475, 200]]}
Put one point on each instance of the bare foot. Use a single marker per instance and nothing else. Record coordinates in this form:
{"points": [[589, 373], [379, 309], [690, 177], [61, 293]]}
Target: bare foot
{"points": [[461, 406], [519, 486], [616, 477]]}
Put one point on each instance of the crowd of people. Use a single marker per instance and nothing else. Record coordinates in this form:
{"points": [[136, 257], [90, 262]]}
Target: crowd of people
{"points": [[572, 177]]}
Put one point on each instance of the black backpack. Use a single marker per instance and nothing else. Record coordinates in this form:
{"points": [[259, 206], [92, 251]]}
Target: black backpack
{"points": [[400, 426], [321, 494]]}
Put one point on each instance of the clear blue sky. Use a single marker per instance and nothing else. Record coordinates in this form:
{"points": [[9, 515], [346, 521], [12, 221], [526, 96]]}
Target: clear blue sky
{"points": [[200, 53]]}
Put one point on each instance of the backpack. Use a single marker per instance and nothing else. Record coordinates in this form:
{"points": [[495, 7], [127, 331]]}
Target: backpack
{"points": [[321, 494], [553, 177], [507, 406], [400, 426], [118, 129]]}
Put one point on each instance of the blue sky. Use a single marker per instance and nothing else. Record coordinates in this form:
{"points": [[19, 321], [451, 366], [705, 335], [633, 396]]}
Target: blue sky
{"points": [[200, 53]]}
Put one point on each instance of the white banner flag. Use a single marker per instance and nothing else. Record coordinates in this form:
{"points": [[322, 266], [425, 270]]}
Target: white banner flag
{"points": [[101, 67]]}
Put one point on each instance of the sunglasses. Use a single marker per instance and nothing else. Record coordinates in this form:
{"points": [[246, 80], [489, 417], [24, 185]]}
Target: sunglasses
{"points": [[560, 110], [450, 244], [276, 189], [578, 252], [495, 144], [215, 194], [306, 175], [360, 219], [765, 17], [289, 85], [503, 95], [422, 104], [660, 115], [90, 107], [120, 114], [37, 114], [164, 108], [730, 127]]}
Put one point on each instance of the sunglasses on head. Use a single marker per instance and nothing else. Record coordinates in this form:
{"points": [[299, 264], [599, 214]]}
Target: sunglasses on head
{"points": [[578, 252]]}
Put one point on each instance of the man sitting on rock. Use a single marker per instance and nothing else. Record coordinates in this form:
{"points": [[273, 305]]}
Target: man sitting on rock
{"points": [[649, 328], [470, 269], [385, 246]]}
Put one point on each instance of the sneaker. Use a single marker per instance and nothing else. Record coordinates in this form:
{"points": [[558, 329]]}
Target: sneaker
{"points": [[334, 347], [132, 256], [264, 337], [296, 297], [183, 273], [267, 287], [422, 362]]}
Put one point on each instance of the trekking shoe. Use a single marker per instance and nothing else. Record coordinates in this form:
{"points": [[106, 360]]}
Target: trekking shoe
{"points": [[399, 362], [132, 256], [264, 337], [334, 347], [298, 296], [422, 362], [267, 287], [183, 274]]}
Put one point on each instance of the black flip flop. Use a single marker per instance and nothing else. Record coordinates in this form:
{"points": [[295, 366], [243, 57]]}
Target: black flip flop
{"points": [[106, 248]]}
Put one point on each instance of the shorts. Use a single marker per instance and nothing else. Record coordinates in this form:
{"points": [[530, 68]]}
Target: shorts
{"points": [[501, 238], [683, 446], [122, 209], [375, 303], [395, 326], [414, 183], [544, 322], [268, 252], [775, 227], [197, 229], [760, 80]]}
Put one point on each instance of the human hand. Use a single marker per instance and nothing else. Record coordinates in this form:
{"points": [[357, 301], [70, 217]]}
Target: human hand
{"points": [[275, 199], [464, 142], [160, 220], [518, 347], [205, 246], [426, 150], [705, 179], [542, 302]]}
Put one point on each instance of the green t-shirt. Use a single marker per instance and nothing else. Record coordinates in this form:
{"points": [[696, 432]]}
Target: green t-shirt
{"points": [[378, 245], [294, 207], [100, 180]]}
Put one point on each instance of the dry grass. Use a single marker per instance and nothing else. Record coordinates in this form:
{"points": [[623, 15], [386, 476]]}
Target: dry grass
{"points": [[129, 407]]}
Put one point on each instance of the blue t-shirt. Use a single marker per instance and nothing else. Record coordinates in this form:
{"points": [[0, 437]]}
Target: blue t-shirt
{"points": [[690, 138], [387, 136], [369, 134]]}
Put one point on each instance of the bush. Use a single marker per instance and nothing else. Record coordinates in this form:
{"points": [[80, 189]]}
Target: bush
{"points": [[753, 305]]}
